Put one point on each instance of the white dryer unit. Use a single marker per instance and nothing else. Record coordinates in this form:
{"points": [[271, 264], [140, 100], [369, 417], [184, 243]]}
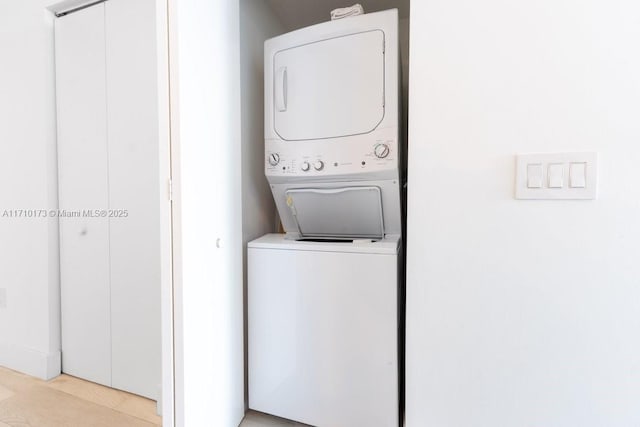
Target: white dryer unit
{"points": [[323, 331], [332, 144]]}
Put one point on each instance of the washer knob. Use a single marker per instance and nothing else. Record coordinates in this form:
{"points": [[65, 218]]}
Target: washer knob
{"points": [[318, 165], [274, 159], [381, 151], [305, 166]]}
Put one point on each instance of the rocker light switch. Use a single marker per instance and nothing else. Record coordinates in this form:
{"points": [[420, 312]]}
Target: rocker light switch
{"points": [[534, 175], [555, 172], [577, 175]]}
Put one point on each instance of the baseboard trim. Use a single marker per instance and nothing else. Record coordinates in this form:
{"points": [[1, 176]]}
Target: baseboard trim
{"points": [[31, 362]]}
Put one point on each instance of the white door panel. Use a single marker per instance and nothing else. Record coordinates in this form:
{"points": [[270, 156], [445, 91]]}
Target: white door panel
{"points": [[133, 184], [330, 88], [83, 183]]}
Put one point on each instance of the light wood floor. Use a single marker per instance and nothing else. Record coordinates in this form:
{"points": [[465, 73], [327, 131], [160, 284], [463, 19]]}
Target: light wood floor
{"points": [[66, 401]]}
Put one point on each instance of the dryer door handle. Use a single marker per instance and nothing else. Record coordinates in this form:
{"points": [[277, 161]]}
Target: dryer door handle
{"points": [[281, 89]]}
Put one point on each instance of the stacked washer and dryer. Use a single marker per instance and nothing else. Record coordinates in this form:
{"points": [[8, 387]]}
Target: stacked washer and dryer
{"points": [[324, 298]]}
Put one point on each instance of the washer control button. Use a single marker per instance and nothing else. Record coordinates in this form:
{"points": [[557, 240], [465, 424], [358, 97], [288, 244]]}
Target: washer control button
{"points": [[318, 165], [305, 166]]}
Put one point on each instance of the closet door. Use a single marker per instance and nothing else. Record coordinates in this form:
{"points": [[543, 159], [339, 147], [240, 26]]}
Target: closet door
{"points": [[109, 161], [132, 117], [83, 185]]}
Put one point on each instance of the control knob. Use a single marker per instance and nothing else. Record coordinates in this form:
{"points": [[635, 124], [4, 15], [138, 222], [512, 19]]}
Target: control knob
{"points": [[318, 165], [274, 159], [381, 151], [305, 166]]}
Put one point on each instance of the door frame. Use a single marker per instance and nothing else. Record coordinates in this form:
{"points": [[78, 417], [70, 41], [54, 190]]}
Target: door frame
{"points": [[166, 405], [208, 314]]}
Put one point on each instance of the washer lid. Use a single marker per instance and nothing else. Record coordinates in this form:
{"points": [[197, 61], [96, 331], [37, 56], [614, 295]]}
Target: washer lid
{"points": [[347, 212], [329, 88], [387, 246]]}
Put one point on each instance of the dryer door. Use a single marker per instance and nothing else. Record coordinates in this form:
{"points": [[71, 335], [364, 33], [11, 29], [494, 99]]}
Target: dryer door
{"points": [[330, 88]]}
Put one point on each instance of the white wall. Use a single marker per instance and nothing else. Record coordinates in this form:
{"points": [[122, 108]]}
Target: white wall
{"points": [[257, 23], [522, 313], [30, 323], [205, 96]]}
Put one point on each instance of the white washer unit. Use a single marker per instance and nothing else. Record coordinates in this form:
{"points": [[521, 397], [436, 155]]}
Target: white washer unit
{"points": [[332, 142], [323, 331]]}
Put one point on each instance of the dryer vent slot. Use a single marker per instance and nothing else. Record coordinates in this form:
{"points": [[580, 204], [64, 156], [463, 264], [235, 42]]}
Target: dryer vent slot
{"points": [[307, 239], [343, 213], [326, 240]]}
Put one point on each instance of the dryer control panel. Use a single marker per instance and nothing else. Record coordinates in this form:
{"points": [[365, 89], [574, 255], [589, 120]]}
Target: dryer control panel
{"points": [[335, 156]]}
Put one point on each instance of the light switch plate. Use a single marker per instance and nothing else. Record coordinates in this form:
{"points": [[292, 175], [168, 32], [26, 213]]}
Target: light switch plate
{"points": [[557, 161]]}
